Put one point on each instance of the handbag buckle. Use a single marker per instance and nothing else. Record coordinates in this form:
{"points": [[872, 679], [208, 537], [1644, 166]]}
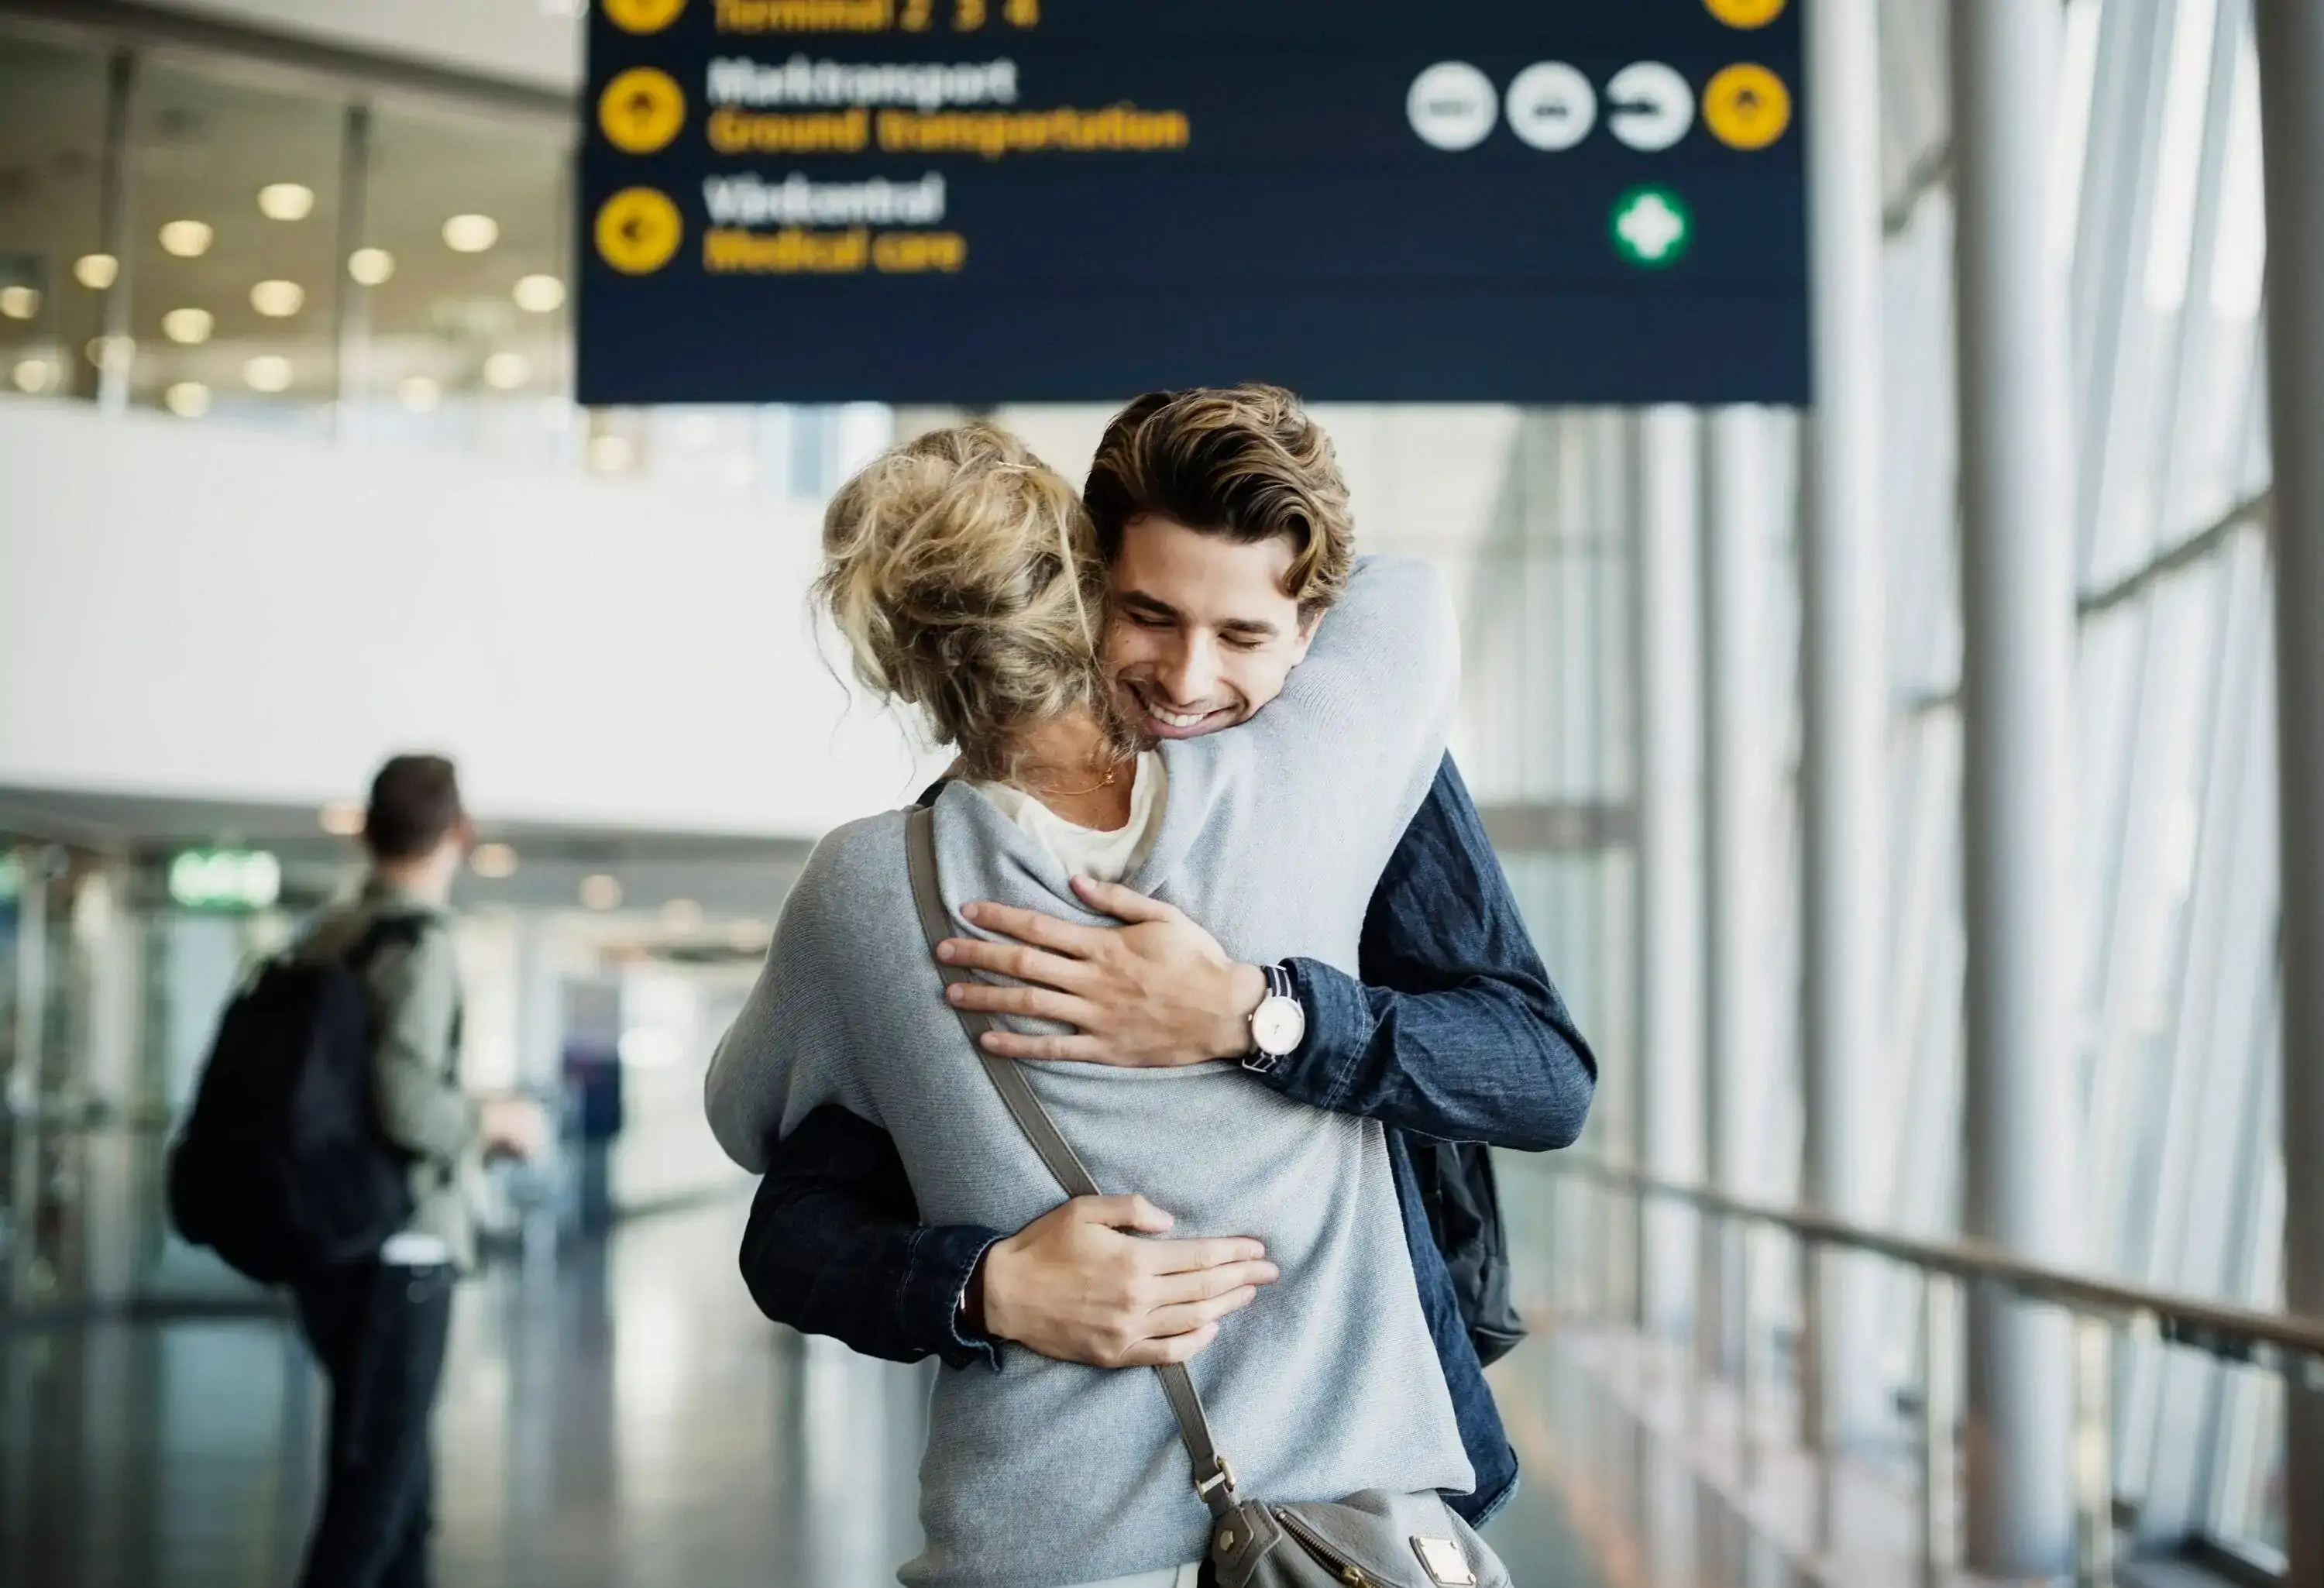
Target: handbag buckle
{"points": [[1225, 1475]]}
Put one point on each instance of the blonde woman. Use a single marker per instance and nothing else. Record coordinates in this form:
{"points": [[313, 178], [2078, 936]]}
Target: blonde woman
{"points": [[964, 576]]}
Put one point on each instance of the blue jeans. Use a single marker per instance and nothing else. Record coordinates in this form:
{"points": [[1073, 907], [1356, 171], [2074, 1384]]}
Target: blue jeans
{"points": [[379, 1332]]}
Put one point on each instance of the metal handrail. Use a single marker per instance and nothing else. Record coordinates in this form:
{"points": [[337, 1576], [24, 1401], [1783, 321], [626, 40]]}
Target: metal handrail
{"points": [[2101, 1310], [2285, 1343]]}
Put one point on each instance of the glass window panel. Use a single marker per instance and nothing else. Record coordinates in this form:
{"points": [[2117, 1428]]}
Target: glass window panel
{"points": [[2105, 701], [2078, 77], [464, 241], [2251, 1498], [2152, 882], [2218, 406], [233, 206], [53, 99], [2252, 1512], [2237, 272], [2186, 93]]}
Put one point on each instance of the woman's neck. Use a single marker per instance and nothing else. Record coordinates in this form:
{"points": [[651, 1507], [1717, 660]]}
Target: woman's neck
{"points": [[1073, 767]]}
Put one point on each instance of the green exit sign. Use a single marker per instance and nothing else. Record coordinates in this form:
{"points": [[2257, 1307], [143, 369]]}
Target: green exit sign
{"points": [[226, 879]]}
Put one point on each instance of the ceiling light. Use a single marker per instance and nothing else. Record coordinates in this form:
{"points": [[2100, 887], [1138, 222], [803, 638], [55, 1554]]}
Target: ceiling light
{"points": [[471, 233], [539, 294], [190, 327], [495, 861], [32, 375], [286, 201], [187, 239], [96, 271], [268, 373], [277, 300], [611, 454], [505, 372], [601, 892], [187, 399], [342, 818], [112, 353], [681, 915], [20, 302], [370, 267], [419, 393]]}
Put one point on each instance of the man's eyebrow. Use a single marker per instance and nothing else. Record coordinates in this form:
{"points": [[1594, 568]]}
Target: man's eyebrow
{"points": [[1254, 628], [1145, 603]]}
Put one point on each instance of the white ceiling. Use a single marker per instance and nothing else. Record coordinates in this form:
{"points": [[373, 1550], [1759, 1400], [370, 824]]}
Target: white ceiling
{"points": [[532, 41]]}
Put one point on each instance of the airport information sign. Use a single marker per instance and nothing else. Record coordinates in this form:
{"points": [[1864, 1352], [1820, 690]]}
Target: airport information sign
{"points": [[981, 201]]}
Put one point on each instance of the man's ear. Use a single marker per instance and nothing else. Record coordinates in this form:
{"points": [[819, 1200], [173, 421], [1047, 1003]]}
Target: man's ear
{"points": [[1305, 636]]}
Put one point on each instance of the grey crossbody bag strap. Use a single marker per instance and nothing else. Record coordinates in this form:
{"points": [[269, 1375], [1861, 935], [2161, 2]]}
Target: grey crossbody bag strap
{"points": [[1213, 1478]]}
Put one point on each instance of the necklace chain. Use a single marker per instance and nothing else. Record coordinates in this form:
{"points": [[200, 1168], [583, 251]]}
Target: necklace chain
{"points": [[1112, 773]]}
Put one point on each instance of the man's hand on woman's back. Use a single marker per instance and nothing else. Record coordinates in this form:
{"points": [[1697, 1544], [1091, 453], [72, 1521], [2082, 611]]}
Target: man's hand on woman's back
{"points": [[1081, 1284], [1156, 992]]}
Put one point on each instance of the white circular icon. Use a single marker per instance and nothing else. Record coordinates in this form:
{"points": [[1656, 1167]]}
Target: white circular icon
{"points": [[1649, 106], [1550, 106], [1453, 106]]}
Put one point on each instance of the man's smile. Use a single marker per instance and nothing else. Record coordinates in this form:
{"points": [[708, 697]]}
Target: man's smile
{"points": [[1163, 720]]}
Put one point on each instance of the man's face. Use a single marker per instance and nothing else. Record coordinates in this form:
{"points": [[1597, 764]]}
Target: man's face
{"points": [[1200, 633]]}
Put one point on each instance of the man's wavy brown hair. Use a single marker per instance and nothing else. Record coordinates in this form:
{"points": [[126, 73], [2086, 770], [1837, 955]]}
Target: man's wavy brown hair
{"points": [[1245, 462]]}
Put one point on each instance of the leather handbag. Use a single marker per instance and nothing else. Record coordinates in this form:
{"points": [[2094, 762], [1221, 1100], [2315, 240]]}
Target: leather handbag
{"points": [[1373, 1540]]}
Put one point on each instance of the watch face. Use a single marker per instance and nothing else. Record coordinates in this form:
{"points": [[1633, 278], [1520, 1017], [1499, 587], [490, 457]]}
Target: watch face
{"points": [[1277, 1024]]}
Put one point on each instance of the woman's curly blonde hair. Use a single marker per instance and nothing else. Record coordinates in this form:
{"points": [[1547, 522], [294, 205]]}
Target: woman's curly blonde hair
{"points": [[965, 575]]}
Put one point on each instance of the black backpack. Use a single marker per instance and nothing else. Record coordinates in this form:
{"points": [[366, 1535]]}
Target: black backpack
{"points": [[1463, 1203], [281, 1169]]}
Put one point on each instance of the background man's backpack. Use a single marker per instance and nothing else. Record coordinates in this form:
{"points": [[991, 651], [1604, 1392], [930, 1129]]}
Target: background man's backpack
{"points": [[281, 1168]]}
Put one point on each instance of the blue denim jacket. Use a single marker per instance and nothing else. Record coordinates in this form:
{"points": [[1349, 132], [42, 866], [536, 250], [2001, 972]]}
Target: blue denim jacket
{"points": [[1453, 1033]]}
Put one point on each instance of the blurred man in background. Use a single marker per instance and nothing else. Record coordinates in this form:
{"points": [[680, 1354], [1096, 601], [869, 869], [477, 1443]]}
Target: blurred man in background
{"points": [[378, 1327]]}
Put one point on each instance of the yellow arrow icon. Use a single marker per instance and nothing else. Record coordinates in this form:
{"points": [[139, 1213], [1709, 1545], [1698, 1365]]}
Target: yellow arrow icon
{"points": [[642, 110], [1746, 107], [1745, 13], [638, 230], [642, 16]]}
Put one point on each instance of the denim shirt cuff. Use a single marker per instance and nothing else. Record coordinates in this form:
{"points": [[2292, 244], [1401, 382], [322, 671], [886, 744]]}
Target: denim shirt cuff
{"points": [[1321, 1071], [935, 1282]]}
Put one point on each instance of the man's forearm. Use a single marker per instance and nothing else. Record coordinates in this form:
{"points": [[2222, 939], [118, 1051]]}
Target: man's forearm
{"points": [[1454, 1031], [1492, 1059], [834, 1246]]}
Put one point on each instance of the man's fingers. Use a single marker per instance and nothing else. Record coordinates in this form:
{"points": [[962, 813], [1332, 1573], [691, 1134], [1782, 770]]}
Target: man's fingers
{"points": [[1014, 959], [1030, 926], [1123, 1212], [1176, 1348], [1167, 1322], [1122, 903], [1036, 1002], [1075, 1049], [1185, 1257], [1209, 1284]]}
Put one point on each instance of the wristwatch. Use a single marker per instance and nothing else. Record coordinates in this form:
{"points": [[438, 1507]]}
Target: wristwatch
{"points": [[1278, 1022]]}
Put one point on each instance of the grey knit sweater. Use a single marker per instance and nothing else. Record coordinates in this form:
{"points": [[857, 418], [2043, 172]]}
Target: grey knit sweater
{"points": [[1274, 837]]}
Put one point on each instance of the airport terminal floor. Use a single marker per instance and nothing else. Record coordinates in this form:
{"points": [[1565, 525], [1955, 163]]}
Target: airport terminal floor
{"points": [[615, 1416]]}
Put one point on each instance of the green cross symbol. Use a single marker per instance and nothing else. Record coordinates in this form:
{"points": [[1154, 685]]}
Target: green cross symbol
{"points": [[1652, 226]]}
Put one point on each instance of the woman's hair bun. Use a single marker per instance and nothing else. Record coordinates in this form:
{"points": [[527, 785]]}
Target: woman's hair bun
{"points": [[964, 574]]}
